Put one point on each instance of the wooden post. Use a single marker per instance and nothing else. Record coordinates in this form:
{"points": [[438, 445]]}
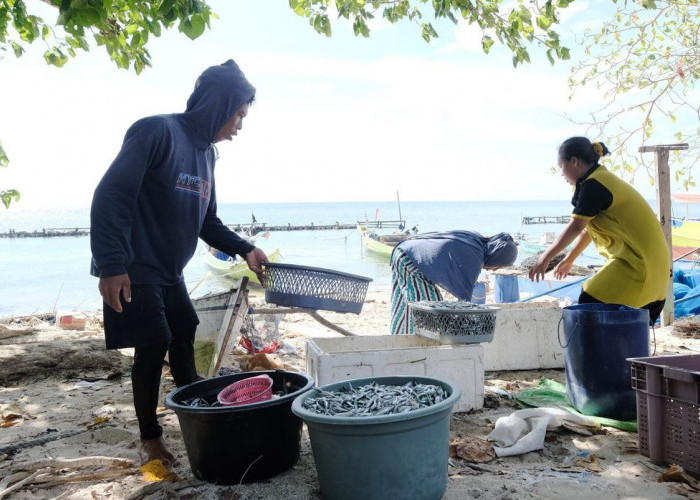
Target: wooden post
{"points": [[663, 206]]}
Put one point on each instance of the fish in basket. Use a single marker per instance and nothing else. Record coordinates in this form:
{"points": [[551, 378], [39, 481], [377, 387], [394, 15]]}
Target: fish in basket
{"points": [[454, 322]]}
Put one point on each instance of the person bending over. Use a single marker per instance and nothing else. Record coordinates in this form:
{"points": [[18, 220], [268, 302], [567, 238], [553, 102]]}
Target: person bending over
{"points": [[451, 260]]}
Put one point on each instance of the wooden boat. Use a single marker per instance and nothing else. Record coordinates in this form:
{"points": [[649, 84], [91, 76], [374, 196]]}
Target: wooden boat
{"points": [[685, 232], [381, 244], [528, 248], [232, 268]]}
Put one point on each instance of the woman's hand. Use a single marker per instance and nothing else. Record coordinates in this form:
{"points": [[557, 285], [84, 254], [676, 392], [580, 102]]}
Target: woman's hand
{"points": [[538, 270], [562, 269]]}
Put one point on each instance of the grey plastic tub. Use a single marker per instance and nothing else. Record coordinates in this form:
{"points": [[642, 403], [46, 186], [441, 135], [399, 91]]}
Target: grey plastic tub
{"points": [[389, 456]]}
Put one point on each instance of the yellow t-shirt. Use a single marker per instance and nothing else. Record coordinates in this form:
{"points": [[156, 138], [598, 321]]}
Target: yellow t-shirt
{"points": [[625, 231]]}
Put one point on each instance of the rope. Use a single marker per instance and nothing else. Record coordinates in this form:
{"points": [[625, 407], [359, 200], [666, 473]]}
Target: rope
{"points": [[14, 448], [339, 237]]}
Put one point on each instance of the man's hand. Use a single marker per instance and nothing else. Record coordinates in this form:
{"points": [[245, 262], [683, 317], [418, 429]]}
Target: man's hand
{"points": [[111, 287], [255, 258]]}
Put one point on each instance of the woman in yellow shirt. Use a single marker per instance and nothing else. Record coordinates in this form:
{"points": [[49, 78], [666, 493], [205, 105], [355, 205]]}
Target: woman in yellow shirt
{"points": [[621, 224]]}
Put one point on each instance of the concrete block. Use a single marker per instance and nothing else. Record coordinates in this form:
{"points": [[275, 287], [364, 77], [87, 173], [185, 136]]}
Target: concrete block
{"points": [[525, 338], [330, 360]]}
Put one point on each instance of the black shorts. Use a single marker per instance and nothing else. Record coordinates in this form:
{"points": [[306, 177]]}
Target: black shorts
{"points": [[153, 316]]}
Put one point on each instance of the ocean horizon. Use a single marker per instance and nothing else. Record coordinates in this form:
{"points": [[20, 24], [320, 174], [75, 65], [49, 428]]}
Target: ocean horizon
{"points": [[43, 274]]}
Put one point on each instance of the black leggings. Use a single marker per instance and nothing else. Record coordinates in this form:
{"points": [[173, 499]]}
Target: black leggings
{"points": [[146, 374], [165, 315], [654, 308]]}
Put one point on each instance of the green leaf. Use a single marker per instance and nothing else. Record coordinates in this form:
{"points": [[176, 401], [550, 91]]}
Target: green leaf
{"points": [[298, 7], [544, 22], [8, 196], [155, 28], [486, 43], [193, 27], [165, 7], [73, 42], [4, 160], [17, 49]]}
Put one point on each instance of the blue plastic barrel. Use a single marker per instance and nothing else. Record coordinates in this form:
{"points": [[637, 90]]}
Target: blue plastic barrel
{"points": [[506, 288], [479, 293], [598, 339]]}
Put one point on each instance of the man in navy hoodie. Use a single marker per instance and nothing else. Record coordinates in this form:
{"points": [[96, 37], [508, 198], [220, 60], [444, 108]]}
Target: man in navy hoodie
{"points": [[148, 211]]}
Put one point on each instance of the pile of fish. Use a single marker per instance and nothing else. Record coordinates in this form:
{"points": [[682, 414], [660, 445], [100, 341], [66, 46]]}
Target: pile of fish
{"points": [[205, 402], [452, 305], [200, 403], [530, 262], [453, 318], [375, 399]]}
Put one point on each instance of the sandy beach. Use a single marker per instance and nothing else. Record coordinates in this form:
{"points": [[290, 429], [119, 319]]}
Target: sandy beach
{"points": [[64, 399]]}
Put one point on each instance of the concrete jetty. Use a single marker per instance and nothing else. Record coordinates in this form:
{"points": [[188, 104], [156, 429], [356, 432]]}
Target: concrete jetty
{"points": [[240, 228]]}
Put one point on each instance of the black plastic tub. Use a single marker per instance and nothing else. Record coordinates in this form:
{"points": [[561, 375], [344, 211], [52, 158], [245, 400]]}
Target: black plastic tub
{"points": [[240, 444]]}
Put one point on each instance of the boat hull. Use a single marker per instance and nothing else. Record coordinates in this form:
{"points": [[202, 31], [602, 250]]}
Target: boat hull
{"points": [[373, 245], [237, 269], [686, 238]]}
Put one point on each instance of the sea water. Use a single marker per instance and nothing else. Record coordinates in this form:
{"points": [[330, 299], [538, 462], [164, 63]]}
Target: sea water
{"points": [[52, 274]]}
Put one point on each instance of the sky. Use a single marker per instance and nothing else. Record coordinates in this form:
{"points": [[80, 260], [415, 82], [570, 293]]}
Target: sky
{"points": [[335, 119]]}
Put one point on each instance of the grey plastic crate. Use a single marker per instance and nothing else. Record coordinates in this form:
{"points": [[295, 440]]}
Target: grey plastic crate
{"points": [[668, 409]]}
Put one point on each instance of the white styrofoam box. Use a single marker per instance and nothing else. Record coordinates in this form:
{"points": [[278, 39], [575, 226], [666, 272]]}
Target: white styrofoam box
{"points": [[525, 338], [330, 360]]}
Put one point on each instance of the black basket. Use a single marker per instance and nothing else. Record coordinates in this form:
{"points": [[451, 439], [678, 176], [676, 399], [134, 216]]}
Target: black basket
{"points": [[457, 322], [314, 288]]}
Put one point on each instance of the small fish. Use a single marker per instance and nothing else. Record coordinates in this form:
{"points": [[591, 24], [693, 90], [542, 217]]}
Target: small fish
{"points": [[374, 399]]}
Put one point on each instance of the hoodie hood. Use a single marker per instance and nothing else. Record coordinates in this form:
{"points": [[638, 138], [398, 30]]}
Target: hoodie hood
{"points": [[501, 250], [218, 93]]}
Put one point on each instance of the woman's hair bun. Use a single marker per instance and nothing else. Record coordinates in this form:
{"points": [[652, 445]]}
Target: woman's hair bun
{"points": [[600, 149]]}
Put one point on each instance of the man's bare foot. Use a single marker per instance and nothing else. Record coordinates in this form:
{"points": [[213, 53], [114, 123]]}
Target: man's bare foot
{"points": [[155, 449]]}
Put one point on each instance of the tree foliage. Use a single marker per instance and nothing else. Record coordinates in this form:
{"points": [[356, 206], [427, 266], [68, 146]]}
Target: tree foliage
{"points": [[8, 195], [645, 60], [514, 24], [123, 27]]}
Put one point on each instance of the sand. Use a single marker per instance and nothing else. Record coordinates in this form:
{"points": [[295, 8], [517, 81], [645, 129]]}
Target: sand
{"points": [[81, 395]]}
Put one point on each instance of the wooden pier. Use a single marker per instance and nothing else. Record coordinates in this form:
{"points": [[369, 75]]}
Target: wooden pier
{"points": [[251, 229], [258, 227], [547, 219], [47, 232]]}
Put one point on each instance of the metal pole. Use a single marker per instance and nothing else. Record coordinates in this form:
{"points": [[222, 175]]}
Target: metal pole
{"points": [[399, 203]]}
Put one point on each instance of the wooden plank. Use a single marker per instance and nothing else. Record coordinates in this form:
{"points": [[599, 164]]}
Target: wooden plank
{"points": [[663, 200], [663, 206], [236, 310], [667, 147]]}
